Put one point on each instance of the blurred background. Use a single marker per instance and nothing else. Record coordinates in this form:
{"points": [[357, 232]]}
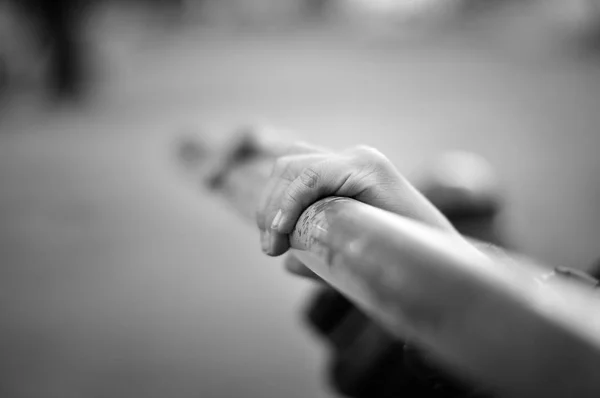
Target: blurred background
{"points": [[119, 278]]}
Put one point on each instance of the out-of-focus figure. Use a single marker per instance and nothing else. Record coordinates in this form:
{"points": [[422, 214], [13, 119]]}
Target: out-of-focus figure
{"points": [[582, 17], [48, 35], [61, 23], [48, 38]]}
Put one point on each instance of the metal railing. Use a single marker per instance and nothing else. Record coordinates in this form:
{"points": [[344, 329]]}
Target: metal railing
{"points": [[492, 316]]}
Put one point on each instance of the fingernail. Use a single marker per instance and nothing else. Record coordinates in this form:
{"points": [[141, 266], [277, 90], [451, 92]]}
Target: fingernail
{"points": [[277, 220], [264, 241]]}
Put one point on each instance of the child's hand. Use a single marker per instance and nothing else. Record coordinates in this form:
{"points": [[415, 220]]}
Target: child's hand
{"points": [[307, 174]]}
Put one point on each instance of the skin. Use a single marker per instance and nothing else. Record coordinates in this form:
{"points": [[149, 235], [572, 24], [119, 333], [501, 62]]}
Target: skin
{"points": [[305, 174]]}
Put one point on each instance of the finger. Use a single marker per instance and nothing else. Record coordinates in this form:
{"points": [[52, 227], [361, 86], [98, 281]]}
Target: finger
{"points": [[296, 267], [314, 182], [272, 242], [279, 170], [265, 198], [285, 171], [275, 244]]}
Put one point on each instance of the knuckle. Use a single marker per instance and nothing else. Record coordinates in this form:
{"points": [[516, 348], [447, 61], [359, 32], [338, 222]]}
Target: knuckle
{"points": [[309, 178], [370, 159]]}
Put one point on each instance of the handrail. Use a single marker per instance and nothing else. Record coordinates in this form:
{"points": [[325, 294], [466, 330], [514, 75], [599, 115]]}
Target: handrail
{"points": [[491, 316]]}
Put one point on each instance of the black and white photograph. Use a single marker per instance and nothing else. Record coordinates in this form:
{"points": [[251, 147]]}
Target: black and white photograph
{"points": [[299, 198]]}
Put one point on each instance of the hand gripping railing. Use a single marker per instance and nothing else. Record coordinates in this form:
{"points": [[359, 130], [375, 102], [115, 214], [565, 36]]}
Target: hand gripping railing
{"points": [[493, 317]]}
